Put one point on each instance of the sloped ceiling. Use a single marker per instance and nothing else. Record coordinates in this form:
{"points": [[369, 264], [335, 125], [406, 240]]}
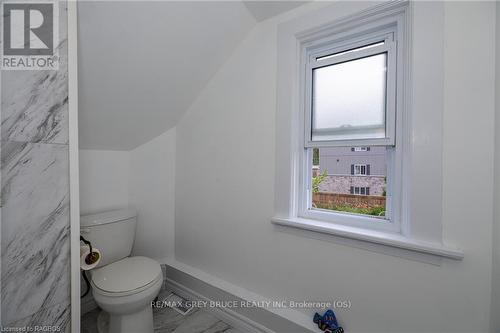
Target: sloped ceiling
{"points": [[262, 10], [141, 64]]}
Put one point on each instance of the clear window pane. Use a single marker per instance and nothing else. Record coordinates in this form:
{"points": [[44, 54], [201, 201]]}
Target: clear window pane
{"points": [[349, 180], [349, 98]]}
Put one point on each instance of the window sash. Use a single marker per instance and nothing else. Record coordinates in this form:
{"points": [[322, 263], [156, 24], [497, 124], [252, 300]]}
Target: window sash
{"points": [[351, 50], [328, 47], [389, 48], [387, 223]]}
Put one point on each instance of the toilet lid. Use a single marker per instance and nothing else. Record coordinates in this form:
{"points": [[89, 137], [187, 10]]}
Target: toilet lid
{"points": [[126, 274]]}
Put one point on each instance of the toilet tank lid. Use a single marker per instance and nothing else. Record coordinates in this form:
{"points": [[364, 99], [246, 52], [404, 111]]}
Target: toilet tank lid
{"points": [[107, 217]]}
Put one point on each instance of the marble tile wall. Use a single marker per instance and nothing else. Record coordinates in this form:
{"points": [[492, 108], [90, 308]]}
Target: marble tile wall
{"points": [[34, 170]]}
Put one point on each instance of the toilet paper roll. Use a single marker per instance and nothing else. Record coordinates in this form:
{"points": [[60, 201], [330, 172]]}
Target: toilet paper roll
{"points": [[84, 252]]}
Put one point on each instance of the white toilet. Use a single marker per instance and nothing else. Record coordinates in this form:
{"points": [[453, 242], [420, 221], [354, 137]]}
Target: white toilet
{"points": [[122, 286]]}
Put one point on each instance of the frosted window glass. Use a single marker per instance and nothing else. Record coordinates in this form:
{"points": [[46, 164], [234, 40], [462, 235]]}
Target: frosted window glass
{"points": [[349, 100]]}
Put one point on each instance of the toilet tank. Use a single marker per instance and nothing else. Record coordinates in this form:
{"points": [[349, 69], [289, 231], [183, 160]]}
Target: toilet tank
{"points": [[111, 232]]}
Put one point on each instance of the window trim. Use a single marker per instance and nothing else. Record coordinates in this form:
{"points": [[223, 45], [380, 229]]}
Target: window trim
{"points": [[373, 237], [420, 222]]}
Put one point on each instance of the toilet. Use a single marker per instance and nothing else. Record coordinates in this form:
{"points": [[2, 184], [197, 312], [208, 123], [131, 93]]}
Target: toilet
{"points": [[122, 286]]}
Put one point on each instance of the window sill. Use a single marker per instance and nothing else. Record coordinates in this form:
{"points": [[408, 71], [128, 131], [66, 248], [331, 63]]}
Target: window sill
{"points": [[372, 236]]}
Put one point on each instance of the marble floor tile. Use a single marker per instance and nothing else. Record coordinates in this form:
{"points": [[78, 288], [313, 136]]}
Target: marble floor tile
{"points": [[196, 322], [167, 320]]}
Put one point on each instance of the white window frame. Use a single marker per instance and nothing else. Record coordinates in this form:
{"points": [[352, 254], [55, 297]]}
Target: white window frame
{"points": [[419, 235], [335, 46], [322, 47], [360, 167]]}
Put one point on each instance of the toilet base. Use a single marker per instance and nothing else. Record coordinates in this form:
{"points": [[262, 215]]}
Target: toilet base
{"points": [[141, 321], [103, 322]]}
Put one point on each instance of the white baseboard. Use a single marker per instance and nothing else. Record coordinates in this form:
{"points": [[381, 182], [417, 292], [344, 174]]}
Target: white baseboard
{"points": [[194, 284], [229, 316]]}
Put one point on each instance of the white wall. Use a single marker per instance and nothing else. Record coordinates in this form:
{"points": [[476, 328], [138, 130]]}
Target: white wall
{"points": [[104, 179], [143, 178], [469, 108], [152, 185], [495, 304], [224, 193]]}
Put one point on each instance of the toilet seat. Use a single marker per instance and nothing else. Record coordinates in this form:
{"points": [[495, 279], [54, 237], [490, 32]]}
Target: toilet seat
{"points": [[127, 276]]}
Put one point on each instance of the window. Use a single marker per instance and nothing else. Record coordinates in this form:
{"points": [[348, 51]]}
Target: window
{"points": [[360, 169], [344, 85], [360, 190], [350, 106], [315, 157]]}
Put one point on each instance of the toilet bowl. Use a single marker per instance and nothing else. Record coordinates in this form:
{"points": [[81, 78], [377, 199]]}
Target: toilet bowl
{"points": [[125, 289], [122, 286]]}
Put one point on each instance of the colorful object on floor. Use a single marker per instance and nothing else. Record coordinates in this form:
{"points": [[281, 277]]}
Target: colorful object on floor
{"points": [[327, 322]]}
